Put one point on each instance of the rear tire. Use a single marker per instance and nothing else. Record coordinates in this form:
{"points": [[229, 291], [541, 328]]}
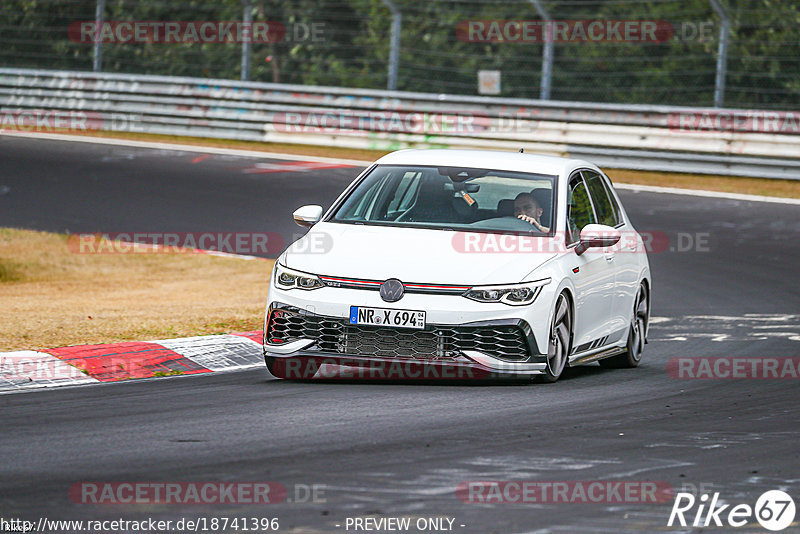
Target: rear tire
{"points": [[637, 334], [560, 341]]}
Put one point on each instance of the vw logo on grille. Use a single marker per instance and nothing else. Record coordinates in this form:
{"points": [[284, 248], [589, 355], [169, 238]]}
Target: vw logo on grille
{"points": [[392, 290]]}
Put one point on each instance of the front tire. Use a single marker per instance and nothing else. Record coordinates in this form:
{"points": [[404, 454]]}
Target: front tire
{"points": [[637, 334], [560, 341]]}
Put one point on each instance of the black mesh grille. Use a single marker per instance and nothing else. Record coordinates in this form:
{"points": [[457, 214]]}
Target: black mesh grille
{"points": [[285, 325], [335, 335], [390, 342], [506, 342]]}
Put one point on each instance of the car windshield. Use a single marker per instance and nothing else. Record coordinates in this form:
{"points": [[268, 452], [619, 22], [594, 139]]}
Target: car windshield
{"points": [[451, 198]]}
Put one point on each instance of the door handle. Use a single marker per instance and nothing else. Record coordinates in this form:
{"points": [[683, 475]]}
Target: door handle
{"points": [[609, 257]]}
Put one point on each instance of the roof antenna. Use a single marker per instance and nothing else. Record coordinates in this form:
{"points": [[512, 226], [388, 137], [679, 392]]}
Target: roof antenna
{"points": [[521, 150]]}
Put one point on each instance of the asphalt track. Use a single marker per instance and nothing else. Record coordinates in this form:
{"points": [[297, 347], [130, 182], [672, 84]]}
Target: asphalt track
{"points": [[388, 450]]}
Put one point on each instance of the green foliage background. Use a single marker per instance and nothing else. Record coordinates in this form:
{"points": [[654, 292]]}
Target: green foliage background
{"points": [[763, 66]]}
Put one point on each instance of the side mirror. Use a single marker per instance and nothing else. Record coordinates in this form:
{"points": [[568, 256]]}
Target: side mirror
{"points": [[597, 235], [307, 216]]}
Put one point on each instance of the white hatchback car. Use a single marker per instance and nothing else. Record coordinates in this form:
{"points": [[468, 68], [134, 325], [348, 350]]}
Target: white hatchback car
{"points": [[461, 264]]}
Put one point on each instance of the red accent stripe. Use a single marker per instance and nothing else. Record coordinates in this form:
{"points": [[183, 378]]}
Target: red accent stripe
{"points": [[120, 361], [437, 287], [365, 282], [369, 282]]}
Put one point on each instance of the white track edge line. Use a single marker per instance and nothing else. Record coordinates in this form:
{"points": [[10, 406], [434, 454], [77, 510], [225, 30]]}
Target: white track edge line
{"points": [[187, 148], [708, 194]]}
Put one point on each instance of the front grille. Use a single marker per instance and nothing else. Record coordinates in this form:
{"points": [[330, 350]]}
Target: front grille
{"points": [[502, 341], [507, 342], [391, 343], [286, 325]]}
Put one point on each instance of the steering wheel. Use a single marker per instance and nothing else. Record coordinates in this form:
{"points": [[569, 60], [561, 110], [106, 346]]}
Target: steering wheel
{"points": [[509, 222]]}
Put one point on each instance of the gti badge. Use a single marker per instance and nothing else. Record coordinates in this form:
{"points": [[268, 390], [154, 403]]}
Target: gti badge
{"points": [[392, 290]]}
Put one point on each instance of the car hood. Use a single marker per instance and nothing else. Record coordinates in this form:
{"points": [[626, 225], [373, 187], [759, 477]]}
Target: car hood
{"points": [[413, 255]]}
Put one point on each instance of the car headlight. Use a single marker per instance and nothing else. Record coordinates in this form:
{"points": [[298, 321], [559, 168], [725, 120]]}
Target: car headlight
{"points": [[286, 278], [513, 295]]}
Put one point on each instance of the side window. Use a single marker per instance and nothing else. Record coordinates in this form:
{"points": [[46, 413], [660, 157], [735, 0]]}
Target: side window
{"points": [[612, 198], [579, 209], [606, 214]]}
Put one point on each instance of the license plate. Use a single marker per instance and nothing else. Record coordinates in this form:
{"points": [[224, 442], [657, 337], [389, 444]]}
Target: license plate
{"points": [[386, 317]]}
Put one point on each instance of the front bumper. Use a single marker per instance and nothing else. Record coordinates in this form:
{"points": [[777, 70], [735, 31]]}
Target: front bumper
{"points": [[315, 365], [299, 344]]}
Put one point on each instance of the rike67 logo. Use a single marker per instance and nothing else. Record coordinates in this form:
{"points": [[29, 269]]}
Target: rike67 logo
{"points": [[774, 510]]}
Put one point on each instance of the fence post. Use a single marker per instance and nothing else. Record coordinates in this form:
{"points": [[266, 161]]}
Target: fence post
{"points": [[247, 50], [97, 54], [722, 52], [547, 52], [394, 48]]}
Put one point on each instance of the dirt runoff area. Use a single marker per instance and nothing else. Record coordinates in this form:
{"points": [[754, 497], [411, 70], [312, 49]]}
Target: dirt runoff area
{"points": [[53, 296]]}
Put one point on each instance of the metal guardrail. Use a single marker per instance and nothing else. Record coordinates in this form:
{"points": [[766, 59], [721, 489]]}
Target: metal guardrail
{"points": [[660, 138]]}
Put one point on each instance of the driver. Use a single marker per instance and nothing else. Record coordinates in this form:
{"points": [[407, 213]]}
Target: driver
{"points": [[527, 208]]}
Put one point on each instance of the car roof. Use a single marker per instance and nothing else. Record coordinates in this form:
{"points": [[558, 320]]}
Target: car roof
{"points": [[484, 159]]}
